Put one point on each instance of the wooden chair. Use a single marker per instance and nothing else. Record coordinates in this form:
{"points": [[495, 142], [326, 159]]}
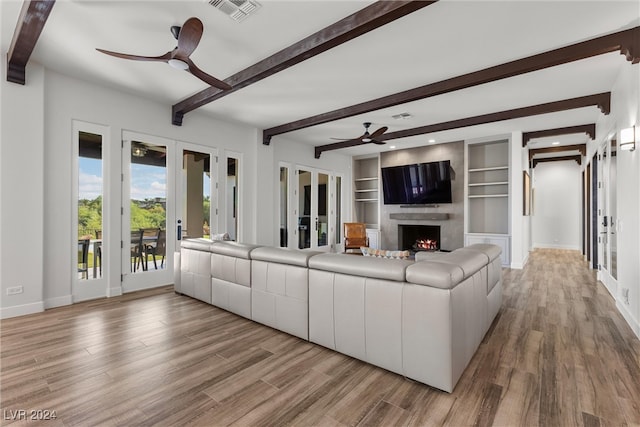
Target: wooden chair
{"points": [[355, 235]]}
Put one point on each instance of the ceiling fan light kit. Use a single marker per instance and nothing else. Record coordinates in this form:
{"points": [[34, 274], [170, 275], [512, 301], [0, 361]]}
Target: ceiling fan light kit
{"points": [[178, 64]]}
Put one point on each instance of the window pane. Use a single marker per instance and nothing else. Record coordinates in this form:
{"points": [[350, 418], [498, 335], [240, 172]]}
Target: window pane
{"points": [[90, 193]]}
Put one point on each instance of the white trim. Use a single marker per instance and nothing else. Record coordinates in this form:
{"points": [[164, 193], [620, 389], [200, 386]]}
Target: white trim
{"points": [[553, 246], [21, 310], [633, 322], [58, 302]]}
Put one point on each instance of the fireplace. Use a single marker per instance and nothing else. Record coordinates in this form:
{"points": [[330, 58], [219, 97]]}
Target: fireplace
{"points": [[419, 237]]}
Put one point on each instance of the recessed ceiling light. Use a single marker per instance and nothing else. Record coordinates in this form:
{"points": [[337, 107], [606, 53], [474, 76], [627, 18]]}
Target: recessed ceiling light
{"points": [[555, 143], [391, 147], [432, 140]]}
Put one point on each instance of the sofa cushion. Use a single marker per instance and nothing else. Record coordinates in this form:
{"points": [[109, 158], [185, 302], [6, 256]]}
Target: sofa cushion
{"points": [[379, 268], [233, 249], [283, 256], [435, 274], [468, 260], [196, 244], [492, 251], [425, 255]]}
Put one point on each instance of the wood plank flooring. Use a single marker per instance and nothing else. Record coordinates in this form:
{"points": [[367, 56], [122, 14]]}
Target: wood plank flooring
{"points": [[558, 354]]}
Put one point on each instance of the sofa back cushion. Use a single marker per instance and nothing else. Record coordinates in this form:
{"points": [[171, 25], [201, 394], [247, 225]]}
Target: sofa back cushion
{"points": [[378, 268]]}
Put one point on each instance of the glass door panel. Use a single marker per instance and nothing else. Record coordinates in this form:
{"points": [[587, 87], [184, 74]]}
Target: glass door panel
{"points": [[233, 197], [148, 200], [337, 212], [322, 212], [284, 206], [303, 208], [89, 267], [197, 203]]}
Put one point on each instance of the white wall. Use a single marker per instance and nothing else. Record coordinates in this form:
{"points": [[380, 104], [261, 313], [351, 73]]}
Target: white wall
{"points": [[22, 187], [557, 205]]}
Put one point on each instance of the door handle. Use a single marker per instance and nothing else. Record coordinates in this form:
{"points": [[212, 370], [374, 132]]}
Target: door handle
{"points": [[179, 228], [316, 224]]}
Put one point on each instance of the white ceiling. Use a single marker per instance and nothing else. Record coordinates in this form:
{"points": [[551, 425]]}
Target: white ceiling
{"points": [[443, 40]]}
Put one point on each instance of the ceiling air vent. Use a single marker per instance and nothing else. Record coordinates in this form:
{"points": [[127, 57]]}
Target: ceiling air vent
{"points": [[237, 10]]}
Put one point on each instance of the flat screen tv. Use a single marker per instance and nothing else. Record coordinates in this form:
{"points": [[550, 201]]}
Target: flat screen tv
{"points": [[418, 184]]}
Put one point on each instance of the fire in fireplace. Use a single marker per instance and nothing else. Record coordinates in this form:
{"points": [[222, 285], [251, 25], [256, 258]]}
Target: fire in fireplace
{"points": [[425, 245], [419, 237]]}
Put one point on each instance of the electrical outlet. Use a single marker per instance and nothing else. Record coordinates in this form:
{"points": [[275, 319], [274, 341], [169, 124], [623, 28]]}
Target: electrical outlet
{"points": [[625, 295], [15, 290]]}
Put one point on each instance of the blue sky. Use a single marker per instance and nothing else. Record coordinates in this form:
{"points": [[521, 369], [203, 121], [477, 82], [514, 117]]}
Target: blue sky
{"points": [[147, 182]]}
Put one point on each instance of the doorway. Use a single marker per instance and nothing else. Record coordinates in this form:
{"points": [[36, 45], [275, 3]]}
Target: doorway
{"points": [[314, 208]]}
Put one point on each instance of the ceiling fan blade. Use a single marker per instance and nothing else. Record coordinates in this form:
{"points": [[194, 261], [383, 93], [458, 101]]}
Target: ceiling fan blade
{"points": [[352, 139], [378, 142], [162, 58], [378, 132], [210, 80], [189, 36]]}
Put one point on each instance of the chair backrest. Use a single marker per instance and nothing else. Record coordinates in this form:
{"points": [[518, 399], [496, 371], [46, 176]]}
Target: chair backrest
{"points": [[150, 232], [98, 234], [83, 251], [161, 245], [355, 230]]}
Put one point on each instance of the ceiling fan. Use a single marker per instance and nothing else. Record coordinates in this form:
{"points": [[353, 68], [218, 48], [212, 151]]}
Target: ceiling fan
{"points": [[365, 138], [188, 37]]}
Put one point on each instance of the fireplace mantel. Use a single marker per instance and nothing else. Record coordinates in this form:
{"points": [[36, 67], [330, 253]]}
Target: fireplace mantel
{"points": [[433, 216]]}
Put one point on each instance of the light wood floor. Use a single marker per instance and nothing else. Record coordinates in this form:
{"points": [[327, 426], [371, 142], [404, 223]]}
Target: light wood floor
{"points": [[558, 354]]}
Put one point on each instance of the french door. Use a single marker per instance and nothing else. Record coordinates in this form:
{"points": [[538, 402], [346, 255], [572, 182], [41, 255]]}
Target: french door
{"points": [[607, 215], [313, 209], [148, 211]]}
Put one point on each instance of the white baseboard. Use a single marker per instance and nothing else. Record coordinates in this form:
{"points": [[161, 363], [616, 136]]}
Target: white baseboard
{"points": [[21, 310], [554, 246], [114, 291], [633, 322], [58, 302]]}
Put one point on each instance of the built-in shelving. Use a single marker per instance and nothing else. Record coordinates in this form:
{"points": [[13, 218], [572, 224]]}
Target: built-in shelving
{"points": [[366, 192], [487, 206]]}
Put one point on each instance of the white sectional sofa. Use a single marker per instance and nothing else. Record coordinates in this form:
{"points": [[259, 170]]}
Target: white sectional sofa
{"points": [[423, 319]]}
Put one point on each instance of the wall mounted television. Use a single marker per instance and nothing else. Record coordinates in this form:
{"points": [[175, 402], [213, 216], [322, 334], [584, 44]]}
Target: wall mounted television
{"points": [[417, 184]]}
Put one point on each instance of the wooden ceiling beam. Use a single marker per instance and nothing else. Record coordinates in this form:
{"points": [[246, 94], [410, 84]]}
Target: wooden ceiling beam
{"points": [[624, 41], [582, 148], [578, 160], [601, 100], [33, 16], [589, 129], [354, 25]]}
